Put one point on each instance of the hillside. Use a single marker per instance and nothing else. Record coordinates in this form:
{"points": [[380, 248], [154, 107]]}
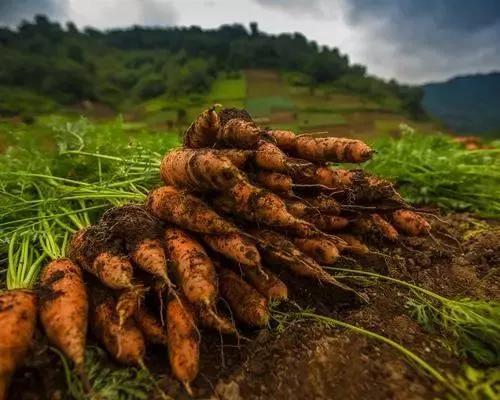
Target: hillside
{"points": [[48, 68], [467, 104]]}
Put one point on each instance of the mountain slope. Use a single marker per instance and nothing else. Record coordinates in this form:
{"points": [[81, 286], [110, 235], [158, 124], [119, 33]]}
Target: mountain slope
{"points": [[467, 104]]}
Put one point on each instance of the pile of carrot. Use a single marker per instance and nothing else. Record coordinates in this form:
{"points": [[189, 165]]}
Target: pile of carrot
{"points": [[242, 208]]}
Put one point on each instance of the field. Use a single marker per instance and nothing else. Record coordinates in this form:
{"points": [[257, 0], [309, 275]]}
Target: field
{"points": [[399, 345]]}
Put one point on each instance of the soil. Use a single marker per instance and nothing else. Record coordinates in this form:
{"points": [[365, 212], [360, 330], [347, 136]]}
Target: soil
{"points": [[307, 360]]}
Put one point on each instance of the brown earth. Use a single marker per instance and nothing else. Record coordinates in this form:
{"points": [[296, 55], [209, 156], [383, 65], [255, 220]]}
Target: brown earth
{"points": [[306, 360]]}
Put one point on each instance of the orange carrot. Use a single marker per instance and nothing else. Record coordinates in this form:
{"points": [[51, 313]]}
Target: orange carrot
{"points": [[285, 140], [64, 308], [353, 244], [199, 170], [195, 269], [266, 283], [150, 327], [128, 302], [141, 233], [216, 322], [263, 207], [203, 131], [239, 133], [18, 309], [375, 223], [410, 222], [323, 251], [235, 247], [328, 223], [275, 181], [180, 208], [279, 251], [246, 303], [332, 149], [125, 343], [239, 158], [183, 342]]}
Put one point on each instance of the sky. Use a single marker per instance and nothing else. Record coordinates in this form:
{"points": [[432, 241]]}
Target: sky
{"points": [[413, 41]]}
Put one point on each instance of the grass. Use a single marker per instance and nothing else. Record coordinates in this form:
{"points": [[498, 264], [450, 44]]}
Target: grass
{"points": [[225, 89], [264, 106], [432, 169]]}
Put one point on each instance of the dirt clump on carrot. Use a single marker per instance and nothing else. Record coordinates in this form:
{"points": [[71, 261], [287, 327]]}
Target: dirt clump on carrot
{"points": [[92, 249]]}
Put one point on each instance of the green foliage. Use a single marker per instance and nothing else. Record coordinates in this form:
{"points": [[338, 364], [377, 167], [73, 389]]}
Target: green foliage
{"points": [[107, 381], [24, 262], [474, 326], [69, 66], [432, 169]]}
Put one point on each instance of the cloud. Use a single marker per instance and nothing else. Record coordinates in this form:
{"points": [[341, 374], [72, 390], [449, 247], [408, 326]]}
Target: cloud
{"points": [[157, 13], [14, 11], [296, 7], [428, 39]]}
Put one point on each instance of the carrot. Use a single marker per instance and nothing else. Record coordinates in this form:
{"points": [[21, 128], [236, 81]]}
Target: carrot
{"points": [[64, 308], [129, 301], [141, 232], [328, 223], [270, 158], [275, 181], [375, 223], [216, 322], [183, 342], [332, 149], [203, 131], [199, 170], [235, 247], [285, 140], [239, 158], [323, 251], [195, 269], [353, 245], [239, 133], [323, 204], [246, 303], [264, 207], [330, 177], [297, 208], [410, 222], [180, 208], [125, 343], [101, 258], [266, 283], [150, 327], [18, 310], [150, 256], [279, 251]]}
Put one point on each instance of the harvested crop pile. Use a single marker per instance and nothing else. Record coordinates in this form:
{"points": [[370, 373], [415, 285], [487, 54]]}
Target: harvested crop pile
{"points": [[241, 205]]}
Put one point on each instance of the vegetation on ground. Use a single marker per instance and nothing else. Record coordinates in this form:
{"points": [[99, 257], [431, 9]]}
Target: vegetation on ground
{"points": [[435, 170]]}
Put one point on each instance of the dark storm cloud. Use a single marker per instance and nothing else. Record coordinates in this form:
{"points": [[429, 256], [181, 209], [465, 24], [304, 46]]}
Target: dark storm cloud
{"points": [[432, 35], [464, 16], [13, 11]]}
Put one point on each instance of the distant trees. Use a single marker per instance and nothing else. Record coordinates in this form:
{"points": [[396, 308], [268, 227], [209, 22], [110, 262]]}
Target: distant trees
{"points": [[69, 65]]}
